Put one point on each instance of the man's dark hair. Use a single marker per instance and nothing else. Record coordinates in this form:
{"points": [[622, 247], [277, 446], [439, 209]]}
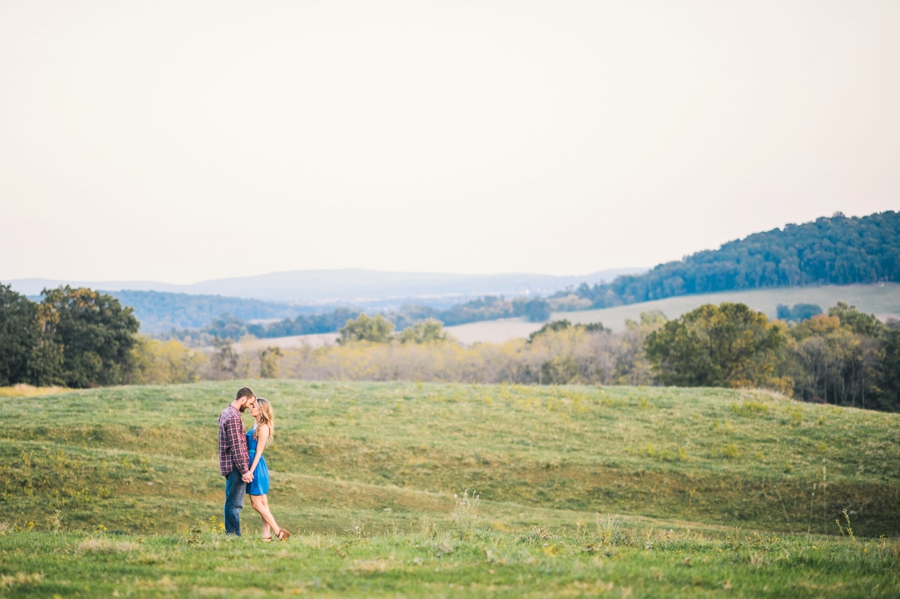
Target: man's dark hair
{"points": [[244, 392]]}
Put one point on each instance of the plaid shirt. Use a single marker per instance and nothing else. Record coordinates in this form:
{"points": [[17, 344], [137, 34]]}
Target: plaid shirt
{"points": [[233, 454]]}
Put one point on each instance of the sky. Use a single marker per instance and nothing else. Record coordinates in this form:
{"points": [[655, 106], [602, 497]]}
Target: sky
{"points": [[191, 140]]}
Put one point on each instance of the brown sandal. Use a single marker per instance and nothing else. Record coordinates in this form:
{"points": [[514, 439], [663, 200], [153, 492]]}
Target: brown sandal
{"points": [[267, 539], [283, 535]]}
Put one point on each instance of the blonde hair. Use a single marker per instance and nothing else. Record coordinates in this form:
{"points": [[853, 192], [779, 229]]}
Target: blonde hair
{"points": [[265, 417]]}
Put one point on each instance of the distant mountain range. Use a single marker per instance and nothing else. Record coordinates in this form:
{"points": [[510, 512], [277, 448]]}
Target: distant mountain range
{"points": [[353, 286]]}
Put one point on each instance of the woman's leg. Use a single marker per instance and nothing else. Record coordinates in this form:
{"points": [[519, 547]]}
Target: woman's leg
{"points": [[260, 503]]}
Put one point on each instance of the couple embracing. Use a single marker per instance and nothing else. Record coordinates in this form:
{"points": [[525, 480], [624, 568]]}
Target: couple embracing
{"points": [[242, 464]]}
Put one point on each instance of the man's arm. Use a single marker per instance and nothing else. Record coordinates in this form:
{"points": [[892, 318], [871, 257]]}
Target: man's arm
{"points": [[237, 439]]}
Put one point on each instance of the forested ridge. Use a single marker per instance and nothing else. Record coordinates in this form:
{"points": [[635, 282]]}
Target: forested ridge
{"points": [[161, 311], [836, 250], [829, 251]]}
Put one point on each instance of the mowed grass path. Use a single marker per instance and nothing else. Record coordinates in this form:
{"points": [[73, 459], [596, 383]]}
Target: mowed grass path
{"points": [[366, 472]]}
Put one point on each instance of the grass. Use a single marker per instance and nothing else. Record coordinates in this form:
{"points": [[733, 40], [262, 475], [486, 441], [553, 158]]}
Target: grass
{"points": [[449, 563], [581, 491]]}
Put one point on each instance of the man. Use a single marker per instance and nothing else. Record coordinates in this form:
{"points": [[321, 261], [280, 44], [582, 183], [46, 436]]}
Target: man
{"points": [[234, 459]]}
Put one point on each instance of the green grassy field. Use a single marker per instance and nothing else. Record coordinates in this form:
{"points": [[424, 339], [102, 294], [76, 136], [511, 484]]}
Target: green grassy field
{"points": [[583, 491]]}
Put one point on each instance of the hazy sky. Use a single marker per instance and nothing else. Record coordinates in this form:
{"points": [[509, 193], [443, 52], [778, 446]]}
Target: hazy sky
{"points": [[180, 141]]}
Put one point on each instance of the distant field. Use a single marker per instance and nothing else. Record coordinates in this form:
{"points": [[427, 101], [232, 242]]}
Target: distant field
{"points": [[584, 491], [882, 299], [493, 331], [293, 342]]}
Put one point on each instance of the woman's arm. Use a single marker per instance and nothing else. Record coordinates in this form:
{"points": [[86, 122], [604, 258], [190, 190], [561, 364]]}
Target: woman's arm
{"points": [[260, 446]]}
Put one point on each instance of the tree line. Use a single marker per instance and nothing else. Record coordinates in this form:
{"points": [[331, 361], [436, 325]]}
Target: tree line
{"points": [[82, 338], [159, 311], [844, 357], [228, 326], [828, 251]]}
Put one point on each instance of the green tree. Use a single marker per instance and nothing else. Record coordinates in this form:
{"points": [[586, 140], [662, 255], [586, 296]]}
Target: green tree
{"points": [[551, 327], [45, 366], [364, 328], [839, 358], [798, 313], [717, 346], [18, 335], [537, 310], [859, 322], [425, 331], [92, 334], [226, 326], [563, 325]]}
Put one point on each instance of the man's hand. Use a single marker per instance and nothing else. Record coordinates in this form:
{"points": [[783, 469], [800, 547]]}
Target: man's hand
{"points": [[248, 478]]}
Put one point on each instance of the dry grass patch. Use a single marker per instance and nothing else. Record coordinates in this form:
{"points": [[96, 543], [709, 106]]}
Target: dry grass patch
{"points": [[20, 579], [22, 390], [373, 565], [100, 545]]}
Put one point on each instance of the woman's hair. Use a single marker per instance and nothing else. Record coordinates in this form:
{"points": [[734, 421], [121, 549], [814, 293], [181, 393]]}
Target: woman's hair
{"points": [[265, 417]]}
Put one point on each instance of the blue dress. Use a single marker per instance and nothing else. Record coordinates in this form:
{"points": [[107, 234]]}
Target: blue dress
{"points": [[260, 484]]}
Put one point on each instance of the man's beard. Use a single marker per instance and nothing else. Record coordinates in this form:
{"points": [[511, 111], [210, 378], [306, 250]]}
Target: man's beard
{"points": [[242, 408]]}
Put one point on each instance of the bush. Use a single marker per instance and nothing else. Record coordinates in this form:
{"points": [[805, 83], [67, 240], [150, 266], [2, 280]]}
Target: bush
{"points": [[373, 330]]}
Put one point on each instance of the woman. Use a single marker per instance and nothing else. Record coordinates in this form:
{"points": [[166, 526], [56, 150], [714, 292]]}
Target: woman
{"points": [[257, 439]]}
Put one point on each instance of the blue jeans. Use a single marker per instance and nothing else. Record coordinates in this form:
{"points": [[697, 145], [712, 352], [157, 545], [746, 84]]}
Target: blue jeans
{"points": [[235, 488]]}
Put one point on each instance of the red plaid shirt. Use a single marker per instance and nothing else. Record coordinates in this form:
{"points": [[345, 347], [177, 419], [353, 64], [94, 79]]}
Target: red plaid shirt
{"points": [[233, 454]]}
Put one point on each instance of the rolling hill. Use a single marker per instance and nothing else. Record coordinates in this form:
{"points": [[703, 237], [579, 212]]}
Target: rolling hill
{"points": [[567, 448], [828, 251], [453, 490]]}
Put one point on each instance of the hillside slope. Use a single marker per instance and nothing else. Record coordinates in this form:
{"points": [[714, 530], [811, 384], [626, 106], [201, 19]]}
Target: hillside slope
{"points": [[143, 458]]}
